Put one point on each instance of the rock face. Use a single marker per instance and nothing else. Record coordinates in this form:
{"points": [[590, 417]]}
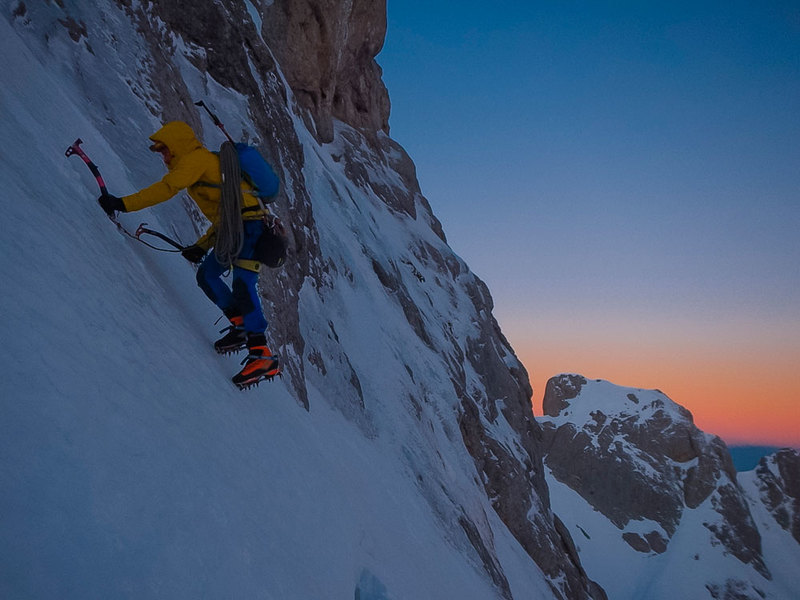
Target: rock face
{"points": [[636, 458], [778, 481], [654, 460], [327, 51]]}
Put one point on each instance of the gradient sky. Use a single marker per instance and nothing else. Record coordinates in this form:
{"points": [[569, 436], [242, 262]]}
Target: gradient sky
{"points": [[625, 176]]}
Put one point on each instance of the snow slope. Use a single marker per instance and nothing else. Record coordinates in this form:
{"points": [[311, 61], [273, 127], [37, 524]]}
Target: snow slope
{"points": [[130, 467]]}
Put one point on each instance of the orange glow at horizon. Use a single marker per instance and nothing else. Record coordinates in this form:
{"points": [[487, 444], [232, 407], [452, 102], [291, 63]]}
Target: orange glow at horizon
{"points": [[744, 395]]}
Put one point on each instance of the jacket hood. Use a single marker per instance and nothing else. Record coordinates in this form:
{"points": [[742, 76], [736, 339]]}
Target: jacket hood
{"points": [[178, 137]]}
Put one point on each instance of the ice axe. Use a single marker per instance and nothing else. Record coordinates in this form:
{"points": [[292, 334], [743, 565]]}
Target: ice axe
{"points": [[75, 148], [216, 120]]}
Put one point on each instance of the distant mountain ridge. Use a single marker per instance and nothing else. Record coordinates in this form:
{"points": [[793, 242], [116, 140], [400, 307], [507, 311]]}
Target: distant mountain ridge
{"points": [[659, 486]]}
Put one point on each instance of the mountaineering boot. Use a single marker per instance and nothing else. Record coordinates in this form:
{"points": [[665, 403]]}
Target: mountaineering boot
{"points": [[259, 364], [234, 340]]}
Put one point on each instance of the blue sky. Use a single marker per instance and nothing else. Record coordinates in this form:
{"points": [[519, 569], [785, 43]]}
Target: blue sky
{"points": [[617, 172]]}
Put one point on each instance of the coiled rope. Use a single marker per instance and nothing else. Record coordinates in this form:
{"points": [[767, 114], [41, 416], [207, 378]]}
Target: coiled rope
{"points": [[230, 228]]}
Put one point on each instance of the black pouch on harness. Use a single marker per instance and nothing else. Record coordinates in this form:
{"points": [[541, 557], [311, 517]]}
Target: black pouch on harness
{"points": [[272, 245]]}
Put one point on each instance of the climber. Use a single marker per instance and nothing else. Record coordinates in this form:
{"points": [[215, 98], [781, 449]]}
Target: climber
{"points": [[194, 168]]}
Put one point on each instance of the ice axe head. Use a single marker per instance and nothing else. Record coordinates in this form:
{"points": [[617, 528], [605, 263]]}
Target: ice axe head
{"points": [[71, 150], [214, 117]]}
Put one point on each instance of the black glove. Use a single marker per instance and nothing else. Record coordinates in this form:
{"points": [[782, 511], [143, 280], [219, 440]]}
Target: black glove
{"points": [[110, 204], [193, 254]]}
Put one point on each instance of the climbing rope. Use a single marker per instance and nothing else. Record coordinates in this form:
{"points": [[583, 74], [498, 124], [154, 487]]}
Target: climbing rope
{"points": [[230, 228]]}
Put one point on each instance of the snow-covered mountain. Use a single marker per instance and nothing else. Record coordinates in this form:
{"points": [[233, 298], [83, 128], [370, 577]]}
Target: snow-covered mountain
{"points": [[655, 506], [398, 457]]}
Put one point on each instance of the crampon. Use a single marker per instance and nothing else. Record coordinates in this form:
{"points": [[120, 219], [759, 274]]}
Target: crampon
{"points": [[227, 349], [234, 340], [256, 370], [254, 381]]}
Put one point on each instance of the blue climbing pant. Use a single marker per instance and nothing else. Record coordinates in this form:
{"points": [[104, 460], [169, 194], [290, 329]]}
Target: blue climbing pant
{"points": [[243, 299]]}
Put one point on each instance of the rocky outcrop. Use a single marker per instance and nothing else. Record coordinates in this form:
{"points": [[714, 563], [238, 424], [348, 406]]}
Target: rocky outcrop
{"points": [[778, 480], [634, 455], [559, 390], [327, 52]]}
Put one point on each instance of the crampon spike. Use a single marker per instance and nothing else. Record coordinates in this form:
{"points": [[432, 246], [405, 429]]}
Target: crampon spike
{"points": [[246, 385]]}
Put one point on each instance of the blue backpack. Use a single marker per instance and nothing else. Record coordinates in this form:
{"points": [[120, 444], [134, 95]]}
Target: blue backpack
{"points": [[257, 171], [240, 161]]}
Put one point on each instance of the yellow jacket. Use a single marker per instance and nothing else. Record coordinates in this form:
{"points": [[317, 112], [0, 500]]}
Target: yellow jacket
{"points": [[196, 170]]}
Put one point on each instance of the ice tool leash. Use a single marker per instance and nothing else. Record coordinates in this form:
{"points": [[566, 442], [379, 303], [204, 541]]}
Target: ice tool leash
{"points": [[75, 148]]}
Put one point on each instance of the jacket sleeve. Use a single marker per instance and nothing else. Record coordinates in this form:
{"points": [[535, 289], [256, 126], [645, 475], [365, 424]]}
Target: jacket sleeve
{"points": [[185, 173]]}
